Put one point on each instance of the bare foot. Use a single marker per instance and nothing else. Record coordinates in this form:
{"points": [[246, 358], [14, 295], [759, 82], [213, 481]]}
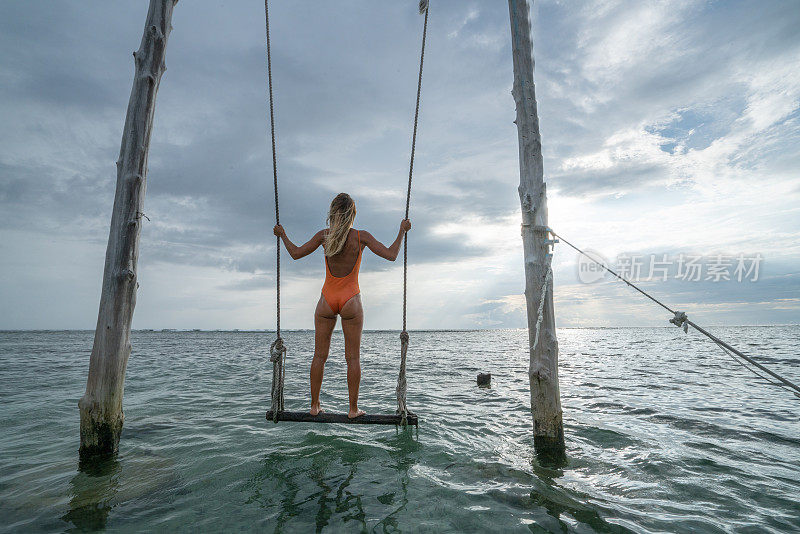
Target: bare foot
{"points": [[352, 415], [315, 410]]}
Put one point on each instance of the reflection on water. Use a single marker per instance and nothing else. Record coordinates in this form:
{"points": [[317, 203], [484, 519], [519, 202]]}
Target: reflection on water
{"points": [[663, 434], [327, 484], [93, 489], [105, 482], [403, 453]]}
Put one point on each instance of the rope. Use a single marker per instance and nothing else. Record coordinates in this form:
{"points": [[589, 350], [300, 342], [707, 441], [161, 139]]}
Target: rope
{"points": [[277, 355], [681, 320], [277, 350], [401, 378], [751, 361], [402, 409], [673, 312], [759, 375], [540, 312]]}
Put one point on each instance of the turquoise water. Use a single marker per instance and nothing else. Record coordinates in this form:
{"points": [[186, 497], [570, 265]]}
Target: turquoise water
{"points": [[664, 433]]}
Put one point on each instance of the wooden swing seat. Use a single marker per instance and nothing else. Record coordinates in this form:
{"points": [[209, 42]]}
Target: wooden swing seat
{"points": [[328, 417]]}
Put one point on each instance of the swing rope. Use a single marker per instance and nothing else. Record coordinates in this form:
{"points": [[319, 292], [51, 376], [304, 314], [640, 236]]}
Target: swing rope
{"points": [[277, 351], [402, 409]]}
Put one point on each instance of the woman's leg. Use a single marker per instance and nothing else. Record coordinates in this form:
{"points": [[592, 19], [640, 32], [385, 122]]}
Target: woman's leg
{"points": [[324, 321], [352, 323]]}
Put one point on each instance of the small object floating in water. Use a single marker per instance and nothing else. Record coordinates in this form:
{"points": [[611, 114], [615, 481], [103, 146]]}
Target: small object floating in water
{"points": [[326, 417], [484, 380]]}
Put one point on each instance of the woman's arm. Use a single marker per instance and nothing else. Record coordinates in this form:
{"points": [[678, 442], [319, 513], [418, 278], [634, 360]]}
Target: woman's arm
{"points": [[390, 252], [303, 250]]}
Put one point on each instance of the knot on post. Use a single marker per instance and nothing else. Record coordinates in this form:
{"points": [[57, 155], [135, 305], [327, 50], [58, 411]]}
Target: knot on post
{"points": [[540, 373], [277, 355], [680, 320]]}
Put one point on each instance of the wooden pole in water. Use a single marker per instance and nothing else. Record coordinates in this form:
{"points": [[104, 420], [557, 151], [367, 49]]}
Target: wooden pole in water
{"points": [[101, 405], [548, 429]]}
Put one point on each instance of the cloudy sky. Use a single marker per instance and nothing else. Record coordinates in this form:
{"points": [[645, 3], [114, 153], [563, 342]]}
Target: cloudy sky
{"points": [[669, 129]]}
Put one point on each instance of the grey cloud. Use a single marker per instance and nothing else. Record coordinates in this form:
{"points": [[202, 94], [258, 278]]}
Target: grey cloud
{"points": [[702, 66], [345, 76]]}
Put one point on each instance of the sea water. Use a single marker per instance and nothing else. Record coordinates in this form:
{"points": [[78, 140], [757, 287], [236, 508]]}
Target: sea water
{"points": [[664, 433]]}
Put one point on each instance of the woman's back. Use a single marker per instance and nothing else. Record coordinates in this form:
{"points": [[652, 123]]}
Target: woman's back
{"points": [[341, 295], [343, 263]]}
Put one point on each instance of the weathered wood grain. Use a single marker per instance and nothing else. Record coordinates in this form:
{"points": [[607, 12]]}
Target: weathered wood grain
{"points": [[101, 405], [543, 367]]}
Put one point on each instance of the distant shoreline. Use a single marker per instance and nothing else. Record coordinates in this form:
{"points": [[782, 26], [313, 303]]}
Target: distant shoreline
{"points": [[245, 331]]}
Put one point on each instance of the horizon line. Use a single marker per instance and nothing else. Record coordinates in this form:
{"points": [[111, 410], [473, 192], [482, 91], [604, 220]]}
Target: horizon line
{"points": [[268, 331]]}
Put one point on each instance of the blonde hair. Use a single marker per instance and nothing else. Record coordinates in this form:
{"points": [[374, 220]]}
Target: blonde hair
{"points": [[340, 219]]}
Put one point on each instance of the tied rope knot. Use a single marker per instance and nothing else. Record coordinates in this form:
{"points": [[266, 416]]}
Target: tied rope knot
{"points": [[402, 409], [277, 355], [680, 320], [277, 350]]}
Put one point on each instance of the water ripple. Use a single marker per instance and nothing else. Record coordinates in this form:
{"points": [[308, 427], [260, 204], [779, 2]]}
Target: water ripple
{"points": [[664, 433]]}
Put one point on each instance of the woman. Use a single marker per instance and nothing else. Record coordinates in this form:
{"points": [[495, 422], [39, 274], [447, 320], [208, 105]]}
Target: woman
{"points": [[340, 293]]}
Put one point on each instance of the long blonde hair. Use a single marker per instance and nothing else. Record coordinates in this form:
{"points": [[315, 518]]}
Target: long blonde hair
{"points": [[340, 219]]}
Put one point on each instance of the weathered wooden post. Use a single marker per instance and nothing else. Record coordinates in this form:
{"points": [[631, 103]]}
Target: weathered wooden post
{"points": [[548, 429], [101, 405]]}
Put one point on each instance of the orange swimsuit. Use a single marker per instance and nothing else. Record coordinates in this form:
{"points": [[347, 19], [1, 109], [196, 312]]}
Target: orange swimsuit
{"points": [[337, 290]]}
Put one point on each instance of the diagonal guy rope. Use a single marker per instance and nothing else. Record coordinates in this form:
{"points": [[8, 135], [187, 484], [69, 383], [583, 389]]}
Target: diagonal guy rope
{"points": [[402, 409], [682, 321]]}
